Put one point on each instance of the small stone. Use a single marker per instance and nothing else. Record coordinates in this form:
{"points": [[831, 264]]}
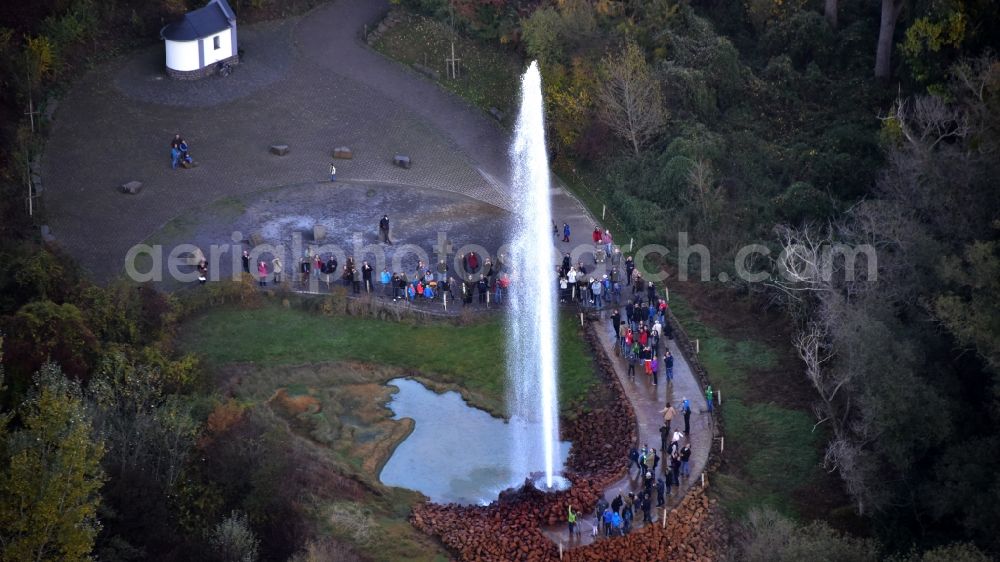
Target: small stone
{"points": [[132, 187], [402, 160], [343, 152], [279, 149]]}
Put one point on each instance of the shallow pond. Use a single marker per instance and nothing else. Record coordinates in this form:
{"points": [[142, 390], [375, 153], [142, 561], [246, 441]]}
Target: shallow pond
{"points": [[456, 453]]}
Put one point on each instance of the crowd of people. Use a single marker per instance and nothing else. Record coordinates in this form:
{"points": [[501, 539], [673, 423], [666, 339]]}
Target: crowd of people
{"points": [[640, 321]]}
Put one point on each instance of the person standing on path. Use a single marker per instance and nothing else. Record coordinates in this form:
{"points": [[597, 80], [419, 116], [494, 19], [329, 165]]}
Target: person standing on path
{"points": [[686, 408], [708, 397], [571, 521], [333, 172], [654, 365], [276, 269], [675, 468], [366, 276], [565, 232], [668, 417], [246, 261], [616, 319], [383, 229], [262, 273], [668, 362], [665, 435], [686, 459]]}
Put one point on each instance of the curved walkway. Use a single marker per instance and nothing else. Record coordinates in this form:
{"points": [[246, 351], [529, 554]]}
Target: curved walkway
{"points": [[647, 401]]}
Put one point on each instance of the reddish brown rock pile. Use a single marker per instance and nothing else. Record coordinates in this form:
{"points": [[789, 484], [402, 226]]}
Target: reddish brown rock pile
{"points": [[603, 436], [695, 531], [509, 530]]}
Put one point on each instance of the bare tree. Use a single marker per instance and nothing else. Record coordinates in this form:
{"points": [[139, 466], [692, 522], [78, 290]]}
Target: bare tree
{"points": [[813, 347], [926, 121], [703, 190], [830, 11], [632, 103], [883, 54]]}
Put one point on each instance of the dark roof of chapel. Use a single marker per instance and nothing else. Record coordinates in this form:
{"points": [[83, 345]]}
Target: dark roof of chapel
{"points": [[202, 22]]}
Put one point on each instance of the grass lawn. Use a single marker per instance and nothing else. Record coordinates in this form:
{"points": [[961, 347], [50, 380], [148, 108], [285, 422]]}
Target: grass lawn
{"points": [[488, 76], [471, 357], [771, 451]]}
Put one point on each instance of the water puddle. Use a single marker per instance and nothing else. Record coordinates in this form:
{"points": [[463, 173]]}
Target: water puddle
{"points": [[456, 453]]}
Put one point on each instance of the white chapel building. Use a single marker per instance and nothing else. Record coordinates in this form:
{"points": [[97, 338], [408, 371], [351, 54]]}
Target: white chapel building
{"points": [[196, 44]]}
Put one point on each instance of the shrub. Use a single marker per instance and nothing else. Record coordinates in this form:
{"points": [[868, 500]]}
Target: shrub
{"points": [[771, 537], [233, 540], [689, 92], [543, 37], [42, 331], [804, 37], [802, 202]]}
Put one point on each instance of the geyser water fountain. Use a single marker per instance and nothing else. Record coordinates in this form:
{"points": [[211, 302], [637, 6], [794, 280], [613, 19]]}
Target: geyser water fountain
{"points": [[459, 454], [531, 342]]}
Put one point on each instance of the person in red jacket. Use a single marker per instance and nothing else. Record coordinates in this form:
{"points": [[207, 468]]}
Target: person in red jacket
{"points": [[262, 274]]}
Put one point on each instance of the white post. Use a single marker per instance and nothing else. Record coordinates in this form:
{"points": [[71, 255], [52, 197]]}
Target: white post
{"points": [[697, 346], [702, 479], [445, 294], [581, 319], [630, 242], [560, 550], [719, 394], [604, 208], [667, 290], [722, 444], [31, 112], [664, 516]]}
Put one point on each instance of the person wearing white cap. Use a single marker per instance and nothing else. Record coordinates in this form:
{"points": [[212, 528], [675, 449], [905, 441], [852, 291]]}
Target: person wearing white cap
{"points": [[596, 288]]}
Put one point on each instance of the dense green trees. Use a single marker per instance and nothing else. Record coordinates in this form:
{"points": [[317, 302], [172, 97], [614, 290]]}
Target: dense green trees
{"points": [[50, 475]]}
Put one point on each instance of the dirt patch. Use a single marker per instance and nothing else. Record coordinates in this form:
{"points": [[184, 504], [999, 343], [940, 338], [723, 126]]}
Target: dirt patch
{"points": [[742, 317], [294, 405]]}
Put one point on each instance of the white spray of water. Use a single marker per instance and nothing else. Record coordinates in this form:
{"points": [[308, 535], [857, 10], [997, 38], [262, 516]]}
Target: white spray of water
{"points": [[531, 343]]}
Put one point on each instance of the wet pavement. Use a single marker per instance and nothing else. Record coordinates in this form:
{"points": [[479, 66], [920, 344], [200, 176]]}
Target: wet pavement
{"points": [[647, 401]]}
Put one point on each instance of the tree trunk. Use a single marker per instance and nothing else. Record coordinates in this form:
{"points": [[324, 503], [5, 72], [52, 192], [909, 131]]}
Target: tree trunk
{"points": [[830, 12], [883, 56]]}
